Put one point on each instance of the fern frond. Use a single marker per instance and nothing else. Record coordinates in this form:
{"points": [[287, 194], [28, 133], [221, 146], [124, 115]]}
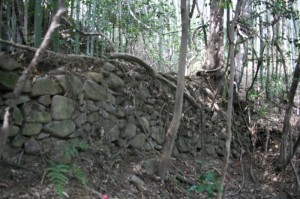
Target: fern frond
{"points": [[80, 175]]}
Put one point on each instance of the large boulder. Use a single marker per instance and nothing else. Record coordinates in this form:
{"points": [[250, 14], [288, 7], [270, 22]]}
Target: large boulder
{"points": [[114, 82], [62, 107], [30, 129], [70, 84], [8, 80], [61, 128], [94, 91], [45, 86], [7, 63], [39, 116]]}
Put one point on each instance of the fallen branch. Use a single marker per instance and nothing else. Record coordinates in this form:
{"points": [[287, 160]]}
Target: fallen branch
{"points": [[34, 50], [132, 58]]}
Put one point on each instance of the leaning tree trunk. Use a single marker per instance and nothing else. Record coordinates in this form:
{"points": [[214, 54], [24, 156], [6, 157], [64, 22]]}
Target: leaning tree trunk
{"points": [[173, 128], [284, 155]]}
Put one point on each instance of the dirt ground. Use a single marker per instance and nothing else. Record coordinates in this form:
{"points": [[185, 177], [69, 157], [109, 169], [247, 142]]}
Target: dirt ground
{"points": [[120, 173]]}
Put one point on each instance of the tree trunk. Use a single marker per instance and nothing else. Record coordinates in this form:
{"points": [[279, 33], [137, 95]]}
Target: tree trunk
{"points": [[173, 128], [231, 26], [37, 23], [215, 49]]}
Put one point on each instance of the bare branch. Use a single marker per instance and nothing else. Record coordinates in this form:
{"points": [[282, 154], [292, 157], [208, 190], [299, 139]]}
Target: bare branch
{"points": [[113, 49], [26, 73]]}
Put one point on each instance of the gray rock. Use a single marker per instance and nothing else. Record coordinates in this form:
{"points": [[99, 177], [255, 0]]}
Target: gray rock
{"points": [[109, 67], [45, 100], [21, 100], [61, 128], [120, 113], [94, 91], [62, 107], [129, 132], [104, 114], [80, 98], [31, 129], [150, 165], [17, 116], [32, 147], [42, 136], [175, 152], [18, 141], [158, 135], [114, 82], [112, 134], [77, 133], [97, 77], [28, 107], [110, 108], [45, 86], [8, 63], [149, 145], [93, 117], [122, 124], [139, 141], [8, 80], [158, 147], [145, 124], [183, 144], [87, 127], [222, 134], [80, 120], [8, 95], [216, 117], [13, 131], [76, 114], [39, 117], [70, 84], [114, 119], [144, 91], [91, 106], [122, 143], [210, 149]]}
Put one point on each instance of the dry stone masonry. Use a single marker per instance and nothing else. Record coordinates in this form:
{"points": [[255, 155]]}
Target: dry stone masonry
{"points": [[123, 107]]}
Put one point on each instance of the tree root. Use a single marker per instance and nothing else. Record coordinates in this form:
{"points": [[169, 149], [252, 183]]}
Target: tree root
{"points": [[132, 58]]}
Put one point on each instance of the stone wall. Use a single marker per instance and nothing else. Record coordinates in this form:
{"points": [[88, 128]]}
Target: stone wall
{"points": [[112, 104]]}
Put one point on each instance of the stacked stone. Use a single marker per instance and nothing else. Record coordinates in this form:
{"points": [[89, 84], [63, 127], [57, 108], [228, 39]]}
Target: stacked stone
{"points": [[129, 110]]}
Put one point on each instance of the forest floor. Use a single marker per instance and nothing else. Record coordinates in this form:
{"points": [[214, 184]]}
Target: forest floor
{"points": [[119, 173]]}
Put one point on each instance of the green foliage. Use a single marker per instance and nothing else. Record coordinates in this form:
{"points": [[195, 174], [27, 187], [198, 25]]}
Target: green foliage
{"points": [[253, 94], [262, 110], [79, 174], [58, 174], [75, 146], [209, 182], [278, 88]]}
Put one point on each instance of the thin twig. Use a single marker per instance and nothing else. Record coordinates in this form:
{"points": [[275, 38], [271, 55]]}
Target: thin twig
{"points": [[296, 174]]}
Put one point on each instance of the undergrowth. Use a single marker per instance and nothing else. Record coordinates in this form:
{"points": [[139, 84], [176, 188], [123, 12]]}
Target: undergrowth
{"points": [[59, 174], [209, 183]]}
